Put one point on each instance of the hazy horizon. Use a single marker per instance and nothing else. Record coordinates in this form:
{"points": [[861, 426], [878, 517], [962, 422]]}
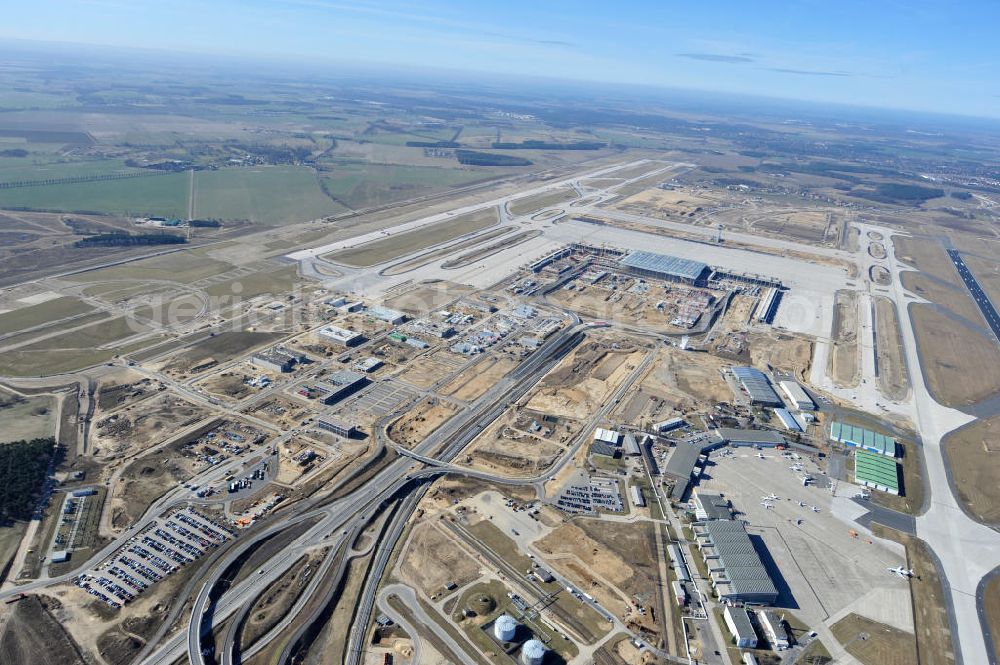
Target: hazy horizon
{"points": [[674, 98], [922, 58]]}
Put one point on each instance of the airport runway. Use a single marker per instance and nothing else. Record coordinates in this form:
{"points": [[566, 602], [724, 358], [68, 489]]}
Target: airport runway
{"points": [[982, 300]]}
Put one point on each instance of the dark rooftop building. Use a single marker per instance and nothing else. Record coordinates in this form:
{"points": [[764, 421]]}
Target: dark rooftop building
{"points": [[734, 565], [711, 507], [748, 437], [680, 467], [344, 383], [664, 267], [757, 386]]}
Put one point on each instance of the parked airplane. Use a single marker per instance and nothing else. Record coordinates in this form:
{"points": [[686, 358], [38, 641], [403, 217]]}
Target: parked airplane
{"points": [[901, 572], [771, 497], [767, 504]]}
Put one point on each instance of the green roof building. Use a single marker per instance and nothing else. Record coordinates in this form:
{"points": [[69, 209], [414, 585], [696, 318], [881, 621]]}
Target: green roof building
{"points": [[876, 471], [858, 437]]}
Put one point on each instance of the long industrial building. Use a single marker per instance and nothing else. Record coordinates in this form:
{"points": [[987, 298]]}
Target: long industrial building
{"points": [[757, 387], [677, 561], [788, 421], [743, 438], [734, 565], [340, 335], [797, 394], [768, 305], [668, 268], [739, 624], [858, 437]]}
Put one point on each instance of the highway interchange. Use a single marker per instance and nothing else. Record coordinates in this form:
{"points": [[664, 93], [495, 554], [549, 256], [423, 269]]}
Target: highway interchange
{"points": [[967, 551]]}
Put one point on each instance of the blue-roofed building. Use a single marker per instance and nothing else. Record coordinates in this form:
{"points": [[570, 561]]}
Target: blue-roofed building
{"points": [[757, 386], [664, 267], [788, 420]]}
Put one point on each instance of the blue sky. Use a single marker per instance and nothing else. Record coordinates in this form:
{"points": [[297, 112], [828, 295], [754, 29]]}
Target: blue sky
{"points": [[929, 56]]}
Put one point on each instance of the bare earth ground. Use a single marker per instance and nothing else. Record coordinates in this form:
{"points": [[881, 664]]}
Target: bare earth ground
{"points": [[432, 559], [611, 561], [884, 645], [974, 456], [844, 356], [581, 382], [629, 308], [502, 448], [676, 382], [476, 380], [420, 421], [893, 379], [141, 425], [432, 368], [789, 353], [663, 203], [929, 614], [953, 296], [30, 634], [961, 365]]}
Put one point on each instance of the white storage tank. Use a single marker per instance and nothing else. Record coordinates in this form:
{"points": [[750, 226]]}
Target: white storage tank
{"points": [[504, 628], [533, 653]]}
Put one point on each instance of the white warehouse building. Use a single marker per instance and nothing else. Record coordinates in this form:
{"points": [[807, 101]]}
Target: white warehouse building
{"points": [[797, 395]]}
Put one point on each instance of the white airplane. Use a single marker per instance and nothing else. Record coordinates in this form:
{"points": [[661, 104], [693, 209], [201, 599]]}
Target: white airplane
{"points": [[767, 504], [760, 455], [814, 509], [771, 497], [802, 504], [901, 572]]}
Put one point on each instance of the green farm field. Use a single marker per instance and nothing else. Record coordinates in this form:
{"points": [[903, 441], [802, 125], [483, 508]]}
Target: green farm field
{"points": [[271, 195], [151, 195], [44, 167], [36, 315], [361, 185]]}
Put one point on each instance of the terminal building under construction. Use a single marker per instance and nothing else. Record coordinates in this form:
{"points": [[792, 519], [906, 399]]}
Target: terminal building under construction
{"points": [[657, 266]]}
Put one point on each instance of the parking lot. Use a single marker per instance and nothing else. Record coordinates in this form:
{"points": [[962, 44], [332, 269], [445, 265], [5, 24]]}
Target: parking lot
{"points": [[168, 543], [378, 400], [828, 564]]}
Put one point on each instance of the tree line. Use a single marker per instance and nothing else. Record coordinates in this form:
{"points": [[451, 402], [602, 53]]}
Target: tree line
{"points": [[23, 467]]}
